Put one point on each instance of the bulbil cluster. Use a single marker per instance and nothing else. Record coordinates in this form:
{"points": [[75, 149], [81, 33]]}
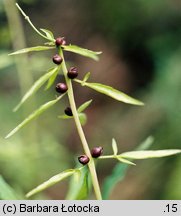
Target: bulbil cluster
{"points": [[72, 72], [95, 152], [62, 88]]}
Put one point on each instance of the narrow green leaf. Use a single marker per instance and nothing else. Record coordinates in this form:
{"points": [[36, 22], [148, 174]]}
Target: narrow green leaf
{"points": [[79, 185], [49, 34], [35, 114], [36, 86], [86, 77], [52, 79], [82, 51], [32, 49], [149, 154], [6, 192], [74, 182], [114, 146], [125, 161], [111, 92], [53, 180], [84, 106]]}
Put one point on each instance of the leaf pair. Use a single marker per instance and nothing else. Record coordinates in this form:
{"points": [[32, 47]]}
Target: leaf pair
{"points": [[115, 151], [70, 48], [119, 171], [139, 154]]}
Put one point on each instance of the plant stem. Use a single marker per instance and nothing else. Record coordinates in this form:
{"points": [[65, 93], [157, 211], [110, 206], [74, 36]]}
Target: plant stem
{"points": [[107, 156], [31, 24], [91, 163], [22, 64]]}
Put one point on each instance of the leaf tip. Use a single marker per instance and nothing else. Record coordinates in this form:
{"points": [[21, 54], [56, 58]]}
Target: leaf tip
{"points": [[28, 194], [114, 146], [139, 103], [142, 104], [7, 136], [16, 108]]}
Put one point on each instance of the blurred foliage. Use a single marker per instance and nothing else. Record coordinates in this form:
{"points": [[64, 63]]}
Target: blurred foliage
{"points": [[146, 36]]}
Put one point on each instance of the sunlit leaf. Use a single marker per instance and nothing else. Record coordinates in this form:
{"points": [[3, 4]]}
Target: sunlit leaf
{"points": [[32, 49], [111, 92], [79, 185], [117, 95], [84, 106], [36, 86], [53, 180], [49, 34], [82, 51], [6, 192], [35, 114], [52, 79], [114, 146], [150, 154], [125, 161]]}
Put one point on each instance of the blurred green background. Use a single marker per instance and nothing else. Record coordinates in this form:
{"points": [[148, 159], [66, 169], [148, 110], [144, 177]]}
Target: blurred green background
{"points": [[141, 45]]}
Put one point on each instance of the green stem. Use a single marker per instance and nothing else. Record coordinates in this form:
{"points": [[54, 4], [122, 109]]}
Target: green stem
{"points": [[31, 24], [107, 156], [91, 163]]}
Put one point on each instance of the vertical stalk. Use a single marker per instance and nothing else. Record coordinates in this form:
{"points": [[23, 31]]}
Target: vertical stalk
{"points": [[18, 42], [91, 163], [22, 64]]}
